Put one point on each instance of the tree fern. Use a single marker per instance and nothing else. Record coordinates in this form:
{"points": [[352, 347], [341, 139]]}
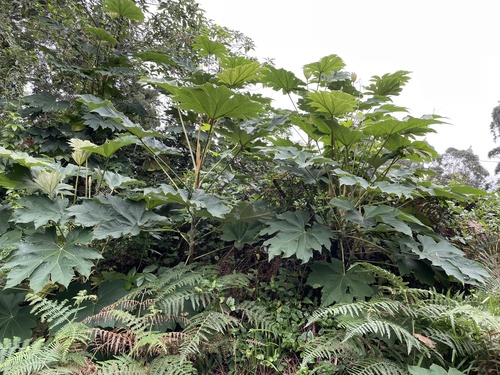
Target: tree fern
{"points": [[121, 365]]}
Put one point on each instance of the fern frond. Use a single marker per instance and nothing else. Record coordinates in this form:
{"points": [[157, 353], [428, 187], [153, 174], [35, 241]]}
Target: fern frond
{"points": [[463, 345], [483, 320], [385, 329], [121, 366], [30, 359], [376, 366], [202, 327], [396, 281], [328, 346], [52, 312], [259, 317], [172, 365], [9, 346], [120, 340], [157, 343]]}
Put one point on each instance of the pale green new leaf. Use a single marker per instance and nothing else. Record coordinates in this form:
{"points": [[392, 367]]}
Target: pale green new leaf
{"points": [[40, 210], [332, 103], [114, 217], [295, 237], [281, 79], [123, 8], [102, 34], [433, 370], [45, 257]]}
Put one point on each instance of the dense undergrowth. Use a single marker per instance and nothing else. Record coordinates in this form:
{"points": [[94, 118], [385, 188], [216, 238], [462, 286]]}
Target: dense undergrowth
{"points": [[160, 216]]}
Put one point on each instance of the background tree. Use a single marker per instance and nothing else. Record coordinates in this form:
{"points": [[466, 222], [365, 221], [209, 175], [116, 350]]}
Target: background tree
{"points": [[495, 131], [460, 167]]}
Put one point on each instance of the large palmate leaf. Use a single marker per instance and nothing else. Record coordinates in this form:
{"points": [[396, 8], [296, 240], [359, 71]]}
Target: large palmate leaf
{"points": [[14, 319], [123, 8], [114, 217], [206, 46], [281, 79], [106, 110], [295, 236], [40, 210], [389, 84], [240, 232], [45, 257], [339, 285], [216, 102], [23, 158], [112, 145], [409, 126], [332, 103], [102, 34], [452, 260], [236, 76], [325, 66]]}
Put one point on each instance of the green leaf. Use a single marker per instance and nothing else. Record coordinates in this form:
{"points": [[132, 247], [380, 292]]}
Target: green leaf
{"points": [[156, 57], [106, 110], [332, 103], [250, 212], [112, 145], [213, 205], [40, 210], [452, 260], [339, 286], [281, 79], [433, 370], [45, 102], [235, 77], [345, 135], [389, 84], [114, 217], [15, 321], [326, 66], [410, 126], [295, 237], [116, 180], [207, 47], [102, 34], [216, 102], [23, 158], [45, 257], [240, 233], [123, 8]]}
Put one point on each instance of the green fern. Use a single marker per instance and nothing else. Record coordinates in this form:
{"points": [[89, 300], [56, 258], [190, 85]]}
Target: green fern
{"points": [[9, 346], [376, 366], [172, 365], [121, 365], [202, 327], [52, 312]]}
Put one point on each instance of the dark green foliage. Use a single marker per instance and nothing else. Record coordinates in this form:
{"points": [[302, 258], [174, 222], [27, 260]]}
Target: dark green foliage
{"points": [[167, 222]]}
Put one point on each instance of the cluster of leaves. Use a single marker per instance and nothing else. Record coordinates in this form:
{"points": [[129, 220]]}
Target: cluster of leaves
{"points": [[139, 157]]}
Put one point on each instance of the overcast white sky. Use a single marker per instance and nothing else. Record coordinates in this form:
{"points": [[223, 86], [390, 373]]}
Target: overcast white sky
{"points": [[451, 47]]}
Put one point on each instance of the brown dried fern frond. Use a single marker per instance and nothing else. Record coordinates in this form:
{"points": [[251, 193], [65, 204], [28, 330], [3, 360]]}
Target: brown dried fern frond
{"points": [[117, 341]]}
